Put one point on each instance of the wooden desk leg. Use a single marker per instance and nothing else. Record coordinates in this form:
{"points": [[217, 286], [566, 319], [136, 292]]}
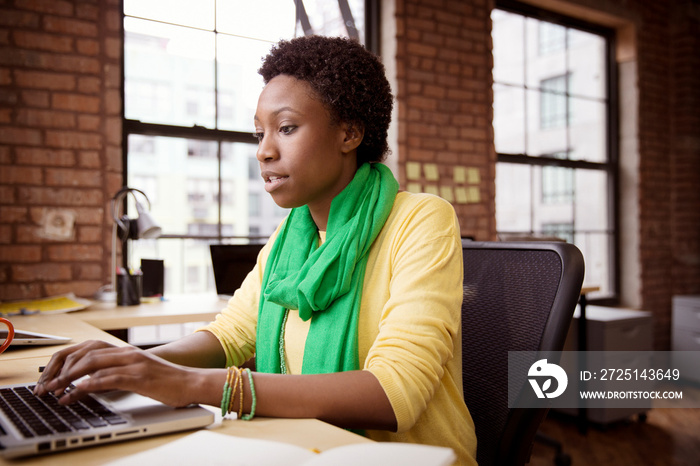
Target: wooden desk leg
{"points": [[582, 348]]}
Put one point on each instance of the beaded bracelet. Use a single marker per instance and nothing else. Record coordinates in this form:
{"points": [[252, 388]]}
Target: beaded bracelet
{"points": [[226, 397], [251, 415], [240, 399], [236, 384]]}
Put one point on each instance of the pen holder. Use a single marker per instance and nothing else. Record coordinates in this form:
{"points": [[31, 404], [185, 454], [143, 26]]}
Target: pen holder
{"points": [[128, 290]]}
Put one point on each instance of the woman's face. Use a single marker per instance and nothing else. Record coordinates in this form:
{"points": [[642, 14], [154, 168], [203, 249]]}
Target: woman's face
{"points": [[305, 158]]}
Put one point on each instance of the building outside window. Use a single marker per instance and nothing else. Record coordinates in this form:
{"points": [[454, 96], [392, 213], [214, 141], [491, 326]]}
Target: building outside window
{"points": [[190, 92], [554, 107], [553, 121], [557, 183]]}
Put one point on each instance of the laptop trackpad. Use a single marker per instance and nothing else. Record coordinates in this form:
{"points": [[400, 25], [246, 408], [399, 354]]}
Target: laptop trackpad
{"points": [[124, 401]]}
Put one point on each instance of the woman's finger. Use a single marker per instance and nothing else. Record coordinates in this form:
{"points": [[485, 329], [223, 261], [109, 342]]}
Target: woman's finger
{"points": [[78, 362], [78, 366], [55, 365]]}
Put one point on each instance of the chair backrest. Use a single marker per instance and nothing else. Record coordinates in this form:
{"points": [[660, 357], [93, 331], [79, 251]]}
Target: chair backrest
{"points": [[518, 296]]}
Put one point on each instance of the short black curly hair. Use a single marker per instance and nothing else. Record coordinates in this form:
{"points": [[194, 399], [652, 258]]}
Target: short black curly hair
{"points": [[349, 80]]}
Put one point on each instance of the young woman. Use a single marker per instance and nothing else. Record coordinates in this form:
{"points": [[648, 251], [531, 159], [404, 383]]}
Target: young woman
{"points": [[352, 313]]}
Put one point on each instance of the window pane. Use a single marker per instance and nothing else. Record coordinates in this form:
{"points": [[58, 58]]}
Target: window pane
{"points": [[193, 13], [508, 47], [594, 236], [185, 190], [551, 38], [553, 103], [587, 63], [341, 18], [591, 200], [181, 178], [562, 202], [268, 20], [557, 185], [513, 198], [588, 130], [540, 66], [546, 123], [187, 263], [509, 121], [169, 74], [239, 82]]}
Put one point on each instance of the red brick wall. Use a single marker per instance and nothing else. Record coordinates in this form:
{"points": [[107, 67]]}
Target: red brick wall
{"points": [[60, 144], [655, 126], [685, 147], [444, 100]]}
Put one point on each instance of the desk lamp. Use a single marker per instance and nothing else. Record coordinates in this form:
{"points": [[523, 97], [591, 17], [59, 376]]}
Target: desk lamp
{"points": [[144, 226]]}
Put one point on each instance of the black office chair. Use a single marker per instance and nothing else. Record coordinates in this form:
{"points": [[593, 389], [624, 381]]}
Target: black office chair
{"points": [[518, 296]]}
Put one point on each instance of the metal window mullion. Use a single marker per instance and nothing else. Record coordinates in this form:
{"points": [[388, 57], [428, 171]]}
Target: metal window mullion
{"points": [[531, 160], [349, 21], [303, 18], [526, 127], [219, 228], [188, 132], [567, 122]]}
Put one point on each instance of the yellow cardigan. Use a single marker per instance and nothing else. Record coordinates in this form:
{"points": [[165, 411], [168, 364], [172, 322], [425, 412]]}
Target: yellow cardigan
{"points": [[409, 324]]}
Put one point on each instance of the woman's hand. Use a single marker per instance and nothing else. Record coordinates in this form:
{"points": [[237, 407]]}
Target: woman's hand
{"points": [[118, 368]]}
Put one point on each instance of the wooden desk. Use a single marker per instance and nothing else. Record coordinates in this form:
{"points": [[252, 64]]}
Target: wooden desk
{"points": [[174, 310], [67, 325], [17, 366], [306, 433]]}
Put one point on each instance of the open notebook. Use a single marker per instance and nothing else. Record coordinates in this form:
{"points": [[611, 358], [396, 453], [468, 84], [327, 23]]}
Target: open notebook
{"points": [[31, 425], [216, 449]]}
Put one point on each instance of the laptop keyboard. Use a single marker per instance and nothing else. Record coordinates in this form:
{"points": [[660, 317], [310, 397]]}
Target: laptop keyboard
{"points": [[36, 416]]}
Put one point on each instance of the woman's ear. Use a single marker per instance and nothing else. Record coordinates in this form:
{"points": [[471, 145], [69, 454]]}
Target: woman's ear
{"points": [[353, 135]]}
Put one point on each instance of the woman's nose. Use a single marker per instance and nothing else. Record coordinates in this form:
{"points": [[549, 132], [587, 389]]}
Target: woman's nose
{"points": [[266, 150]]}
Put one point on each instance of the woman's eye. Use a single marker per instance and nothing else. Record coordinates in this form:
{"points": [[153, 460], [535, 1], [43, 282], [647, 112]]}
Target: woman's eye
{"points": [[258, 136], [287, 129]]}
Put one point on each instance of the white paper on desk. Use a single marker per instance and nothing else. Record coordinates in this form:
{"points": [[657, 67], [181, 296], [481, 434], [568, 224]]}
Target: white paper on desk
{"points": [[212, 448], [383, 453]]}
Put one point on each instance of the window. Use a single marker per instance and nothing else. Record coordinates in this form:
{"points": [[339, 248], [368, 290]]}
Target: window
{"points": [[557, 183], [554, 108], [559, 230], [190, 92], [553, 121], [551, 38]]}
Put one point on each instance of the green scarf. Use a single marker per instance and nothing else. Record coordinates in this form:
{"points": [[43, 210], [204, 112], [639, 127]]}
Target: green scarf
{"points": [[324, 282]]}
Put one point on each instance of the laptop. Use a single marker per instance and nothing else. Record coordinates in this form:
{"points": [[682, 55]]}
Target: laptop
{"points": [[31, 425], [27, 338], [232, 263]]}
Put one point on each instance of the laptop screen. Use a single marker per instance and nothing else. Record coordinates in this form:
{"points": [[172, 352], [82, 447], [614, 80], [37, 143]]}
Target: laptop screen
{"points": [[232, 262]]}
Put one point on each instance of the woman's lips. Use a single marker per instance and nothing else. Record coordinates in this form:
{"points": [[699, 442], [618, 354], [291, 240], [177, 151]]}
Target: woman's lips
{"points": [[272, 182]]}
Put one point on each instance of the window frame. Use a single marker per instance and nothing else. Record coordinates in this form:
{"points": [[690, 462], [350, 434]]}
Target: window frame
{"points": [[219, 136], [611, 166]]}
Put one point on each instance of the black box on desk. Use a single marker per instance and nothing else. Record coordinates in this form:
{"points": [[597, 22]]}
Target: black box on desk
{"points": [[153, 277]]}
